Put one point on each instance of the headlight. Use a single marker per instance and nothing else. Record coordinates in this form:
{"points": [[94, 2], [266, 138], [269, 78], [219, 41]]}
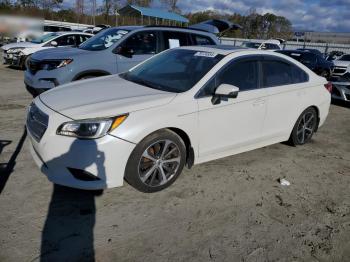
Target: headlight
{"points": [[90, 128], [53, 64], [15, 50]]}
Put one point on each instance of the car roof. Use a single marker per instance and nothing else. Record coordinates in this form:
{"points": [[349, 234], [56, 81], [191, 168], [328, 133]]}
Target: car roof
{"points": [[164, 27], [295, 51], [219, 49]]}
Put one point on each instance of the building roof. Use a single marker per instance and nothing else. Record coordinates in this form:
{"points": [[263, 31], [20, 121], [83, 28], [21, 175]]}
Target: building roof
{"points": [[156, 13]]}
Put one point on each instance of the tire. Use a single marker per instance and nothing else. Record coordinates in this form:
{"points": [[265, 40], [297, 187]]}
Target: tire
{"points": [[24, 62], [302, 133], [146, 168]]}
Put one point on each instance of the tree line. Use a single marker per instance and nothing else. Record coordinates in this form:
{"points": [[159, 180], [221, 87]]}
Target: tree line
{"points": [[255, 25]]}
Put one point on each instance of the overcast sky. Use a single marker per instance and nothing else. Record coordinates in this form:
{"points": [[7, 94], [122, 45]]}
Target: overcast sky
{"points": [[317, 15]]}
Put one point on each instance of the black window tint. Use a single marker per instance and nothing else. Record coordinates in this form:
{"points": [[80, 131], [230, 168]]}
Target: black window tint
{"points": [[142, 43], [81, 38], [278, 73], [67, 40], [203, 40], [308, 58], [174, 39], [242, 74], [271, 46]]}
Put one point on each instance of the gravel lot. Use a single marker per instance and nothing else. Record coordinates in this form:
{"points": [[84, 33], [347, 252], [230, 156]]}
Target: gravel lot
{"points": [[232, 209]]}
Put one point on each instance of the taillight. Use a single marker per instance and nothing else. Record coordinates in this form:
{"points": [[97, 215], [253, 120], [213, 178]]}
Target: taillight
{"points": [[329, 87]]}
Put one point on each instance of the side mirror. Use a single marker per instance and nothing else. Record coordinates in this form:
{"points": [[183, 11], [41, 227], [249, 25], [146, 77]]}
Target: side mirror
{"points": [[54, 43], [124, 51], [224, 91]]}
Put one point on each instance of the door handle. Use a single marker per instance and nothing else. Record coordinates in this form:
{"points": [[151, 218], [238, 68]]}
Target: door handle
{"points": [[259, 102]]}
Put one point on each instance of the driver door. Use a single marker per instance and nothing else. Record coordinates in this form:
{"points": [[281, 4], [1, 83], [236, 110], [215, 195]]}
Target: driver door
{"points": [[143, 46], [235, 123]]}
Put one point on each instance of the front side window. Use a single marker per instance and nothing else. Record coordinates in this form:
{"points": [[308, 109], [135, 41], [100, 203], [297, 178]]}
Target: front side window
{"points": [[279, 73], [44, 38], [243, 74], [173, 71], [104, 39], [174, 39]]}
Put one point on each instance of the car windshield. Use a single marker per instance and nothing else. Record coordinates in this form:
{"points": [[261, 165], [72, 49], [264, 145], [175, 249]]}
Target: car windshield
{"points": [[104, 39], [251, 45], [173, 71], [44, 38], [345, 58]]}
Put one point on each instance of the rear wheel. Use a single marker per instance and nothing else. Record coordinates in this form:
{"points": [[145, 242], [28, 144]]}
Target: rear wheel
{"points": [[304, 128], [156, 162]]}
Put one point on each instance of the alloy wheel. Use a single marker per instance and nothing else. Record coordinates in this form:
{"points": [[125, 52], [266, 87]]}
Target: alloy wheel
{"points": [[159, 163], [306, 127]]}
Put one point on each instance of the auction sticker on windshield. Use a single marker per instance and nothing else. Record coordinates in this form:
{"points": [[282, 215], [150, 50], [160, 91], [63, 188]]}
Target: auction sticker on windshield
{"points": [[205, 54]]}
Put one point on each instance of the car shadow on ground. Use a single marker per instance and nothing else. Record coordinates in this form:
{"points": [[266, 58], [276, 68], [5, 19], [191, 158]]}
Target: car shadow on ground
{"points": [[68, 229], [340, 103], [7, 168]]}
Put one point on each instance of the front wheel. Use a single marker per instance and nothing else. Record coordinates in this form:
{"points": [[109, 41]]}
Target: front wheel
{"points": [[304, 128], [156, 162]]}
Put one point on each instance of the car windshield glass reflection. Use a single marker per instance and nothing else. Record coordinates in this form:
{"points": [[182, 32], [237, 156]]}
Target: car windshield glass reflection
{"points": [[104, 39], [173, 71]]}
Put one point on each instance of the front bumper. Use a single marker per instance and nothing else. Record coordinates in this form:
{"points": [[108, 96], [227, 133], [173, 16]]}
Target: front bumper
{"points": [[341, 91], [43, 80], [104, 158]]}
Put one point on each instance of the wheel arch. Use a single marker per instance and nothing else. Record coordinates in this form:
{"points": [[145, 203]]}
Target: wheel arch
{"points": [[318, 115], [91, 72], [189, 149]]}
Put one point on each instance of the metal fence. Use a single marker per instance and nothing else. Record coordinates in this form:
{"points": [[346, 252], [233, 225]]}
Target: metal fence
{"points": [[323, 47]]}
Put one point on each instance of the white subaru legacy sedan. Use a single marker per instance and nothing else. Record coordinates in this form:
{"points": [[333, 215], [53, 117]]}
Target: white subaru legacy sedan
{"points": [[181, 107]]}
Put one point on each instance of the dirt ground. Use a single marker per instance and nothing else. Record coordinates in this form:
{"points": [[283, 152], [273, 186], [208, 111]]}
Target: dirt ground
{"points": [[232, 209]]}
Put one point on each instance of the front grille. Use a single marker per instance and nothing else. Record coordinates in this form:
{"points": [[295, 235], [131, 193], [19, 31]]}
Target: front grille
{"points": [[339, 70], [37, 122], [34, 66]]}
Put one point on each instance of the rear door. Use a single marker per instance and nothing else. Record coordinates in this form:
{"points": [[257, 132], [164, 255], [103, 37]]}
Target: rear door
{"points": [[284, 83], [144, 45]]}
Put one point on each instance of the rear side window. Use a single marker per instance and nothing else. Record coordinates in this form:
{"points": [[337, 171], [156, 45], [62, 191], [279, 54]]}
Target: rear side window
{"points": [[202, 40], [81, 38], [174, 39], [279, 73], [66, 40], [142, 43]]}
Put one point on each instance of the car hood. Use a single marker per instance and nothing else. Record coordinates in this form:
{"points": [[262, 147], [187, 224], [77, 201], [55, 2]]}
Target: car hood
{"points": [[59, 53], [17, 45], [341, 63], [103, 97]]}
